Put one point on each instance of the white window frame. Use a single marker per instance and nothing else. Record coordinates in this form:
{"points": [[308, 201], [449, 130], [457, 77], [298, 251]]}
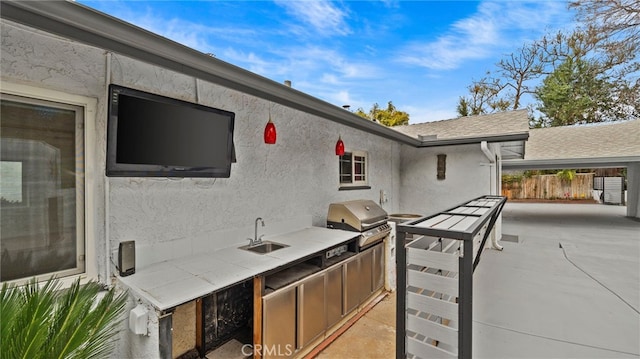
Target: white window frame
{"points": [[89, 105], [355, 184]]}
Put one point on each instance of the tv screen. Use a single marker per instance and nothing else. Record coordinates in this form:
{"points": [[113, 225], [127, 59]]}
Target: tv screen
{"points": [[149, 135]]}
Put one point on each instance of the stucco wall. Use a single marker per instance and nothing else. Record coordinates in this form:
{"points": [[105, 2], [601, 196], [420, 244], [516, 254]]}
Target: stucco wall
{"points": [[296, 178], [468, 175]]}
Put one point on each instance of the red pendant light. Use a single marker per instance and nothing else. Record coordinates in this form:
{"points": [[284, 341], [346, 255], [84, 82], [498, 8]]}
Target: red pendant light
{"points": [[339, 147], [270, 132]]}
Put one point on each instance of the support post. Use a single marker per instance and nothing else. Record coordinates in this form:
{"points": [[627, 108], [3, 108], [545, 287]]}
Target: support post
{"points": [[465, 302], [401, 293], [258, 285], [492, 222]]}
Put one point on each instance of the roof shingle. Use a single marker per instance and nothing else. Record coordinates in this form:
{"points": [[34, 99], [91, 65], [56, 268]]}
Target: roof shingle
{"points": [[471, 126], [614, 139]]}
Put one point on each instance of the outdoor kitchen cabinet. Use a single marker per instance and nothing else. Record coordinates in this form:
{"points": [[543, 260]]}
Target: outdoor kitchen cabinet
{"points": [[279, 323], [377, 275], [300, 305], [357, 280], [334, 295], [312, 319]]}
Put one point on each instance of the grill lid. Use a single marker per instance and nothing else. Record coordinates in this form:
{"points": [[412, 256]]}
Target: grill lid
{"points": [[357, 215]]}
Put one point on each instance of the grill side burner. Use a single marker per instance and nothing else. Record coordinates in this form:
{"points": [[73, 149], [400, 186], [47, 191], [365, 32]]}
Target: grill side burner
{"points": [[364, 216]]}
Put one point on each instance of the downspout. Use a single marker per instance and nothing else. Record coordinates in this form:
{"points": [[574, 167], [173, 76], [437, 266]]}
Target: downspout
{"points": [[485, 149], [492, 161]]}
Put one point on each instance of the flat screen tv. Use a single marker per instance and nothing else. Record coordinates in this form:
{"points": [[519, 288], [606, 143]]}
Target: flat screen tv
{"points": [[149, 135]]}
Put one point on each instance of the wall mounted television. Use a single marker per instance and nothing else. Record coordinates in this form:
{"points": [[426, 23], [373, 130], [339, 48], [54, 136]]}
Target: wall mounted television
{"points": [[149, 135]]}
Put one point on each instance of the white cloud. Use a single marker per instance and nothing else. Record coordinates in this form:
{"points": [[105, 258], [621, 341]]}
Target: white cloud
{"points": [[494, 27], [421, 114], [323, 16], [342, 97], [330, 79]]}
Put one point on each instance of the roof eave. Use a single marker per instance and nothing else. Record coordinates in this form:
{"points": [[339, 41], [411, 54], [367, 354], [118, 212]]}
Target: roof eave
{"points": [[570, 163], [80, 23], [519, 136]]}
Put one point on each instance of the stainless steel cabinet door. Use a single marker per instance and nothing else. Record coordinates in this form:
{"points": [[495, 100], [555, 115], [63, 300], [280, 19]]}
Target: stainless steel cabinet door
{"points": [[334, 295], [366, 275], [351, 284], [279, 323], [378, 267], [311, 309]]}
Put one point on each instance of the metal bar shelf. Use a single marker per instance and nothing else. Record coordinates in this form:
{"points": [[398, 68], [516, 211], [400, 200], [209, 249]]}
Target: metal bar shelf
{"points": [[435, 278]]}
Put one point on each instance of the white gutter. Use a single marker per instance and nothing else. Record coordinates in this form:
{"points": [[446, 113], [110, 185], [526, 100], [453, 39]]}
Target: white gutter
{"points": [[485, 149]]}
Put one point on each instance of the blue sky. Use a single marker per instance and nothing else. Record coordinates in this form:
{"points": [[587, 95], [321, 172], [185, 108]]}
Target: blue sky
{"points": [[421, 55]]}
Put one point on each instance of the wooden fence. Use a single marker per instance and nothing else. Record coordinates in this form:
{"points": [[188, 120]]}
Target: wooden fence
{"points": [[550, 187]]}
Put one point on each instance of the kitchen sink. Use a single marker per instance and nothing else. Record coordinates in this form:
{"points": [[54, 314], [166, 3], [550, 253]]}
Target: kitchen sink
{"points": [[264, 247]]}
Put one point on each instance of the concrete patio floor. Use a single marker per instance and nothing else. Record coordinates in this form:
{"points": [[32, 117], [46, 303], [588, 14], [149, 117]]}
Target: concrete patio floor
{"points": [[568, 288]]}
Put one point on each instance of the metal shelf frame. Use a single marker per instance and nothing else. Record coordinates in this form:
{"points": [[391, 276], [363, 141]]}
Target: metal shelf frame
{"points": [[435, 278]]}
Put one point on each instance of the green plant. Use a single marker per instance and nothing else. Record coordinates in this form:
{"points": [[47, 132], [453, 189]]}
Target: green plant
{"points": [[566, 175], [40, 320], [511, 179]]}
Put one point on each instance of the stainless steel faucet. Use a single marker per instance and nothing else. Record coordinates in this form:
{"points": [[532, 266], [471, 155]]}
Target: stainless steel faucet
{"points": [[256, 240]]}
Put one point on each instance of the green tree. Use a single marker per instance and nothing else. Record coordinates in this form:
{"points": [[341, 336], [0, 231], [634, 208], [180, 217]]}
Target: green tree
{"points": [[390, 116], [574, 93], [464, 107]]}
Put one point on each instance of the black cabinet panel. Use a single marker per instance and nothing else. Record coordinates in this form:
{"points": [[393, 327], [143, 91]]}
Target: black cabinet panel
{"points": [[228, 314]]}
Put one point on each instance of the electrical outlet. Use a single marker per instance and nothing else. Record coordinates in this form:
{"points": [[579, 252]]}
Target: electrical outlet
{"points": [[383, 196]]}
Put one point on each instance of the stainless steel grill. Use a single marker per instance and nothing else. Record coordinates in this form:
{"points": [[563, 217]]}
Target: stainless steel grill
{"points": [[364, 216]]}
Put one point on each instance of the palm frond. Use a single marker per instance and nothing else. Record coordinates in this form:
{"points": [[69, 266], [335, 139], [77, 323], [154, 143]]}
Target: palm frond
{"points": [[42, 321], [30, 328], [104, 322], [9, 307], [73, 304]]}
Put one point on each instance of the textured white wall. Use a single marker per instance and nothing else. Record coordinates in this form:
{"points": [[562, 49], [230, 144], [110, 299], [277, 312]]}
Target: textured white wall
{"points": [[468, 175], [296, 178]]}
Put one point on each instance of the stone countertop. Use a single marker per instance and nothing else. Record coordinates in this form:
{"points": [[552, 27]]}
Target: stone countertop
{"points": [[168, 284]]}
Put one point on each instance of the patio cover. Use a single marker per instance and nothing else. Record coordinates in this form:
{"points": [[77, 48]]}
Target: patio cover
{"points": [[611, 144]]}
